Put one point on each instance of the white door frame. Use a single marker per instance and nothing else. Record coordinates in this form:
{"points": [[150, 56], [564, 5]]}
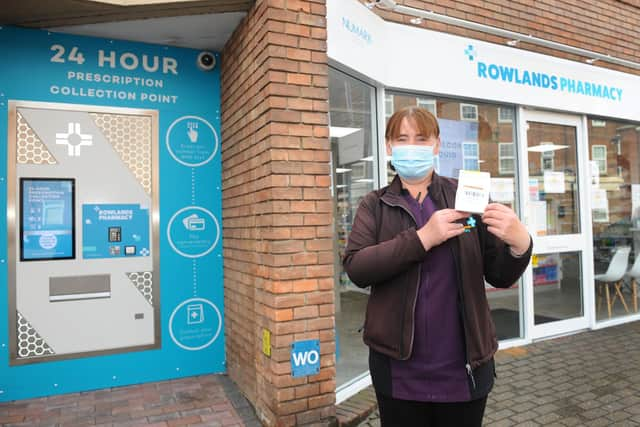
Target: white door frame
{"points": [[559, 243]]}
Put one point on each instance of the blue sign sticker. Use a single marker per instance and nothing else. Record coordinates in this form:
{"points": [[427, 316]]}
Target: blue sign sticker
{"points": [[114, 230], [192, 141], [193, 232], [305, 358], [47, 219]]}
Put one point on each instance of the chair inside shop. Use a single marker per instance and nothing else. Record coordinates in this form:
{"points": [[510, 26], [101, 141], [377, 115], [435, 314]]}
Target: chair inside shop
{"points": [[613, 277], [633, 275]]}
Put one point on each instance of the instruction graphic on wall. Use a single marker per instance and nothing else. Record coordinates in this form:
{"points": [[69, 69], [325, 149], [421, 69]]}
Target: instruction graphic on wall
{"points": [[195, 324], [192, 141], [193, 232], [114, 164]]}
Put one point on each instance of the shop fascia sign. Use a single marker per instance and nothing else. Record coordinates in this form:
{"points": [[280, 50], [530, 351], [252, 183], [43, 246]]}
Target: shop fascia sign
{"points": [[543, 80], [405, 57]]}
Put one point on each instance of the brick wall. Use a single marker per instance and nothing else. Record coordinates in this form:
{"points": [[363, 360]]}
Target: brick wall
{"points": [[603, 26], [277, 208]]}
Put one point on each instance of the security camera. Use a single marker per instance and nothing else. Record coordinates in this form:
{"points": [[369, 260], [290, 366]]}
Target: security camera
{"points": [[206, 61], [386, 4]]}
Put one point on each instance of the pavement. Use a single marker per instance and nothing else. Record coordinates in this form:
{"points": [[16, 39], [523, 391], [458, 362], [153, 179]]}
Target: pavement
{"points": [[209, 400], [587, 379]]}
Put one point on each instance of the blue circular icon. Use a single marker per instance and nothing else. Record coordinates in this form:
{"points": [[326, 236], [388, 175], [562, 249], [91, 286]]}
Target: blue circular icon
{"points": [[195, 324], [192, 141], [193, 232]]}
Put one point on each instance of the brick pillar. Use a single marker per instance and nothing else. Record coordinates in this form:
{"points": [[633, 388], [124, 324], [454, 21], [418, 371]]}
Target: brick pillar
{"points": [[277, 208]]}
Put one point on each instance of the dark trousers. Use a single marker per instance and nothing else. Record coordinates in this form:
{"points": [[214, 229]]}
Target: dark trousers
{"points": [[408, 413]]}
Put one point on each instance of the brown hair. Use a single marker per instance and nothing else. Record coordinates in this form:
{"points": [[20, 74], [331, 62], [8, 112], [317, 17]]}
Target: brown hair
{"points": [[422, 119]]}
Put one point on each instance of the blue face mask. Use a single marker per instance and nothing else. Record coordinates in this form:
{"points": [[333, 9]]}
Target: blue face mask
{"points": [[412, 162]]}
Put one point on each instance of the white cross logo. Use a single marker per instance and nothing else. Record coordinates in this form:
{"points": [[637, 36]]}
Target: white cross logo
{"points": [[74, 139]]}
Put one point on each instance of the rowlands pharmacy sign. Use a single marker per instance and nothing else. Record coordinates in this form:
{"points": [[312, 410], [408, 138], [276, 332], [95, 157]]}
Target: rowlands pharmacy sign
{"points": [[519, 76]]}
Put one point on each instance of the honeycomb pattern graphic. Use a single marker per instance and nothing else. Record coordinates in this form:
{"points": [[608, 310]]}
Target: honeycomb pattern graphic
{"points": [[143, 280], [30, 149], [30, 343], [130, 136]]}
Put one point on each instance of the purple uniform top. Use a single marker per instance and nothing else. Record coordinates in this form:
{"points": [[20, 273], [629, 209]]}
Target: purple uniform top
{"points": [[435, 372]]}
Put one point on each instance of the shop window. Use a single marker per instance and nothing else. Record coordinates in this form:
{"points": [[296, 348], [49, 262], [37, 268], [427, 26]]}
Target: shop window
{"points": [[553, 190], [599, 155], [473, 137], [506, 158], [615, 210], [353, 134], [469, 112], [427, 104]]}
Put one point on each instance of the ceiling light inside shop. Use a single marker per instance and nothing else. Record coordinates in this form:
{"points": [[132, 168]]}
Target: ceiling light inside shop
{"points": [[139, 2], [367, 159], [363, 180], [339, 132], [342, 170], [546, 146]]}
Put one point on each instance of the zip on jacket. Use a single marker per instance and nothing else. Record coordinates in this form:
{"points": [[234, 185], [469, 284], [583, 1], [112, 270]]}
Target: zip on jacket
{"points": [[415, 298]]}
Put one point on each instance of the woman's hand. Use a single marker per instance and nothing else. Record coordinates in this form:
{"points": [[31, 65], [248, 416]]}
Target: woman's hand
{"points": [[441, 227], [503, 222]]}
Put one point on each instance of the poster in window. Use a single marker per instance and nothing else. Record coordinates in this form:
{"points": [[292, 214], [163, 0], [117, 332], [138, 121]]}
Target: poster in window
{"points": [[554, 182], [599, 205], [47, 219], [538, 217], [502, 190], [453, 134]]}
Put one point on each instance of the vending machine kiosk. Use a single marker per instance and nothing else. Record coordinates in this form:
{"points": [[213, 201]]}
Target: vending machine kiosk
{"points": [[83, 258]]}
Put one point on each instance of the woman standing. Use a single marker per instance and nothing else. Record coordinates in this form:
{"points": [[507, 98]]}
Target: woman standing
{"points": [[428, 324]]}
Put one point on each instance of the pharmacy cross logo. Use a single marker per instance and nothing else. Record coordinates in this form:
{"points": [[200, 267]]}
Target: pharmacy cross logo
{"points": [[74, 139], [471, 222], [470, 52]]}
